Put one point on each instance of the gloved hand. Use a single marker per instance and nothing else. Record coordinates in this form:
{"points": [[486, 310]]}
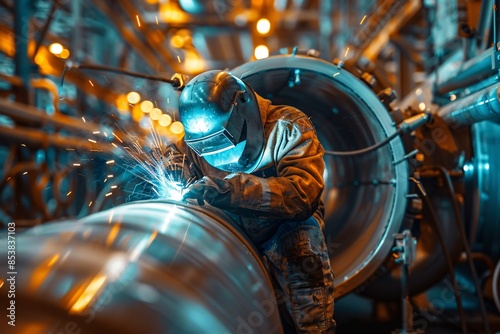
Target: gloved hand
{"points": [[216, 192]]}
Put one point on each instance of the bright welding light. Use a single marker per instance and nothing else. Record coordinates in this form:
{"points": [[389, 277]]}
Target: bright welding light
{"points": [[170, 189], [176, 194]]}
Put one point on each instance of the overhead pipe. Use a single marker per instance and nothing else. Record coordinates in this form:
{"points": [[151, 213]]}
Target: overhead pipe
{"points": [[28, 114], [483, 105], [484, 23], [469, 73]]}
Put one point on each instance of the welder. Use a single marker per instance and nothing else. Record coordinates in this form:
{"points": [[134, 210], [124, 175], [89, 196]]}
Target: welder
{"points": [[263, 164]]}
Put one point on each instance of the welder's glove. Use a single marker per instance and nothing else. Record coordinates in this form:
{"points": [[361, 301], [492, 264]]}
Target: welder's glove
{"points": [[216, 192]]}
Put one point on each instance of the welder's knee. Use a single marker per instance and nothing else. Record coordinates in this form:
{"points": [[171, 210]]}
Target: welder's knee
{"points": [[305, 270]]}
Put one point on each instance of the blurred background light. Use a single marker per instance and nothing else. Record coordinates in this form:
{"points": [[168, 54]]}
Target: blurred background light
{"points": [[133, 97], [263, 26], [155, 114], [146, 106], [56, 48], [261, 51], [177, 128], [165, 120]]}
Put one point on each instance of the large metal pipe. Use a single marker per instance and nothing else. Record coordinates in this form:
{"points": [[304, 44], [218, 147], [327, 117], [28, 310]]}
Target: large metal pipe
{"points": [[143, 267], [483, 105]]}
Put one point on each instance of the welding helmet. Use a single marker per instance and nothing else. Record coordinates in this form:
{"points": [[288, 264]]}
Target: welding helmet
{"points": [[222, 121]]}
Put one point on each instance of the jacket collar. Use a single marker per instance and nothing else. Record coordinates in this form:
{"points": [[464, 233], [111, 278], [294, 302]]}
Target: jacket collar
{"points": [[263, 107]]}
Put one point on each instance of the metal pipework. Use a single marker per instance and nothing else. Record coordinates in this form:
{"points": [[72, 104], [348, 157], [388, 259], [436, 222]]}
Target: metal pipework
{"points": [[143, 267], [480, 106], [469, 73]]}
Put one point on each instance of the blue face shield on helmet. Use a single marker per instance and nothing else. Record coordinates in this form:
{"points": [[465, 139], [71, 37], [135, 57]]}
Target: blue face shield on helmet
{"points": [[222, 121]]}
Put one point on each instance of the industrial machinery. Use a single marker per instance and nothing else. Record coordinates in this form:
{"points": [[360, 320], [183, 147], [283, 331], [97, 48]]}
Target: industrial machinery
{"points": [[184, 250], [411, 194]]}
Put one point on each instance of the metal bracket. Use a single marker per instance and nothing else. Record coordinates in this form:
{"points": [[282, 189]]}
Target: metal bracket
{"points": [[406, 249]]}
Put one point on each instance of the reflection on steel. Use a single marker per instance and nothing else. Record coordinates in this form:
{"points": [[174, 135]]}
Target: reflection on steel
{"points": [[364, 194], [480, 106], [145, 267], [484, 188]]}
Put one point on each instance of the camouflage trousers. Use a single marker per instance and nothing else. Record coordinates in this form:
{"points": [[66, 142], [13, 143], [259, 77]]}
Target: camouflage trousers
{"points": [[298, 260]]}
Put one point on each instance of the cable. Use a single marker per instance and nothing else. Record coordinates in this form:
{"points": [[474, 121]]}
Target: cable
{"points": [[125, 72], [41, 37], [66, 68], [175, 81], [495, 283], [446, 253], [406, 126], [367, 149], [461, 230]]}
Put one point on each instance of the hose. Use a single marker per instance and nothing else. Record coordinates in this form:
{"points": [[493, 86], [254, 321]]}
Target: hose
{"points": [[495, 283], [466, 246], [446, 254], [408, 125]]}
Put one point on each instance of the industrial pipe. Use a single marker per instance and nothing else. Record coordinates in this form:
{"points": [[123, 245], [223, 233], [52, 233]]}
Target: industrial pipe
{"points": [[143, 267], [481, 106], [469, 73]]}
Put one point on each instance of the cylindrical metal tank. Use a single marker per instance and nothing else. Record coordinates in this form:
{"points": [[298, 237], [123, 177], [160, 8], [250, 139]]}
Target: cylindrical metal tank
{"points": [[365, 195], [143, 267]]}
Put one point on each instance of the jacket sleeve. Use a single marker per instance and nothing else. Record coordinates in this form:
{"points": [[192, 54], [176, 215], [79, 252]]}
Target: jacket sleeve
{"points": [[296, 192]]}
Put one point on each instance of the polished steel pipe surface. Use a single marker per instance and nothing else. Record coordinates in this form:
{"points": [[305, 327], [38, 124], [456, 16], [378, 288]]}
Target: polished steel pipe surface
{"points": [[143, 267], [483, 105]]}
